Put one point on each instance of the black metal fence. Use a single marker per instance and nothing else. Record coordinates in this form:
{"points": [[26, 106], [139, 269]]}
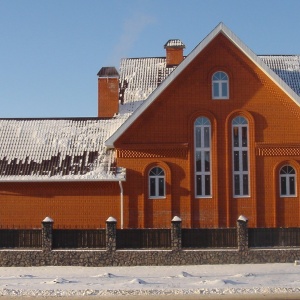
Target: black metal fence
{"points": [[143, 238], [274, 237], [209, 238], [20, 238], [78, 238], [150, 238]]}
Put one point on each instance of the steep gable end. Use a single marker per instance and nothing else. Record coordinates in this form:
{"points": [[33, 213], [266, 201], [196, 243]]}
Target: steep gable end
{"points": [[220, 29]]}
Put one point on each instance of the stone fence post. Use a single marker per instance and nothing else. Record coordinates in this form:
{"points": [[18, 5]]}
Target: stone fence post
{"points": [[176, 233], [242, 233], [47, 231], [111, 234]]}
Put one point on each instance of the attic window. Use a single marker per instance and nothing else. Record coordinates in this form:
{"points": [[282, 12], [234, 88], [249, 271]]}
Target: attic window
{"points": [[220, 85]]}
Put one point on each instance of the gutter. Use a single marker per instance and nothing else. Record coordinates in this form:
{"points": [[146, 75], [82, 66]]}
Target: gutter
{"points": [[121, 204]]}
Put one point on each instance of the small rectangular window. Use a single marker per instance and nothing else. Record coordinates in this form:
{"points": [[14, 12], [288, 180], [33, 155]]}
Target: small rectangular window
{"points": [[224, 90], [198, 137], [206, 137], [216, 90], [207, 185], [245, 185], [283, 185], [236, 185], [199, 185], [235, 136], [236, 160], [198, 161], [292, 186], [245, 160], [152, 187], [161, 187], [207, 161], [244, 136]]}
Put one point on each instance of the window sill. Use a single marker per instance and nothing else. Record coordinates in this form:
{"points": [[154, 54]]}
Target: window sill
{"points": [[241, 197], [157, 198]]}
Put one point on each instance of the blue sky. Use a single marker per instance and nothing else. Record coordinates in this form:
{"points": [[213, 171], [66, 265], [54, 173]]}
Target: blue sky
{"points": [[52, 50]]}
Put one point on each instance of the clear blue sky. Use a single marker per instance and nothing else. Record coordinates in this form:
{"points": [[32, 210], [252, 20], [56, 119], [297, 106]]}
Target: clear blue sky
{"points": [[51, 50]]}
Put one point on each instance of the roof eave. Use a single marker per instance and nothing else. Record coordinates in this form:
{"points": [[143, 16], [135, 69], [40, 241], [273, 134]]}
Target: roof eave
{"points": [[60, 180]]}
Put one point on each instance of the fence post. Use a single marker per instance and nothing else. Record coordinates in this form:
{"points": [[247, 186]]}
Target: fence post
{"points": [[242, 233], [176, 233], [47, 231], [111, 234]]}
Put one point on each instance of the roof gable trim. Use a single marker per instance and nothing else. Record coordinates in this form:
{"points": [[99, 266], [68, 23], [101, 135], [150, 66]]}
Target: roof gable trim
{"points": [[221, 28]]}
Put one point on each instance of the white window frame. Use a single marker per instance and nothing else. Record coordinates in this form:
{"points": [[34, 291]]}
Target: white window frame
{"points": [[220, 83], [240, 157], [288, 173], [202, 147], [157, 174]]}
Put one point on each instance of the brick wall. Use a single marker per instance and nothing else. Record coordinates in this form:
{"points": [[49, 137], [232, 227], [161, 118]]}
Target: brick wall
{"points": [[169, 121]]}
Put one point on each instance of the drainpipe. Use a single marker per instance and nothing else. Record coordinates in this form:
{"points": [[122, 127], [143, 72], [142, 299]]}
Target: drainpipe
{"points": [[121, 202]]}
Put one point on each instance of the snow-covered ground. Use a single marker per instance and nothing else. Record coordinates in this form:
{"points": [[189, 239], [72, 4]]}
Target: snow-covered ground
{"points": [[158, 281]]}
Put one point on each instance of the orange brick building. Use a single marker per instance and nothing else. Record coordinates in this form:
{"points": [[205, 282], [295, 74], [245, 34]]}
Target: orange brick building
{"points": [[207, 137]]}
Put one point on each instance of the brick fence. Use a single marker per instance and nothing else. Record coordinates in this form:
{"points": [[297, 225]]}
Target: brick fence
{"points": [[111, 256]]}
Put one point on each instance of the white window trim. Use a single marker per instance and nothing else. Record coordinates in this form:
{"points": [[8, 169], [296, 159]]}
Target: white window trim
{"points": [[156, 178], [219, 82], [202, 150], [240, 150], [287, 176]]}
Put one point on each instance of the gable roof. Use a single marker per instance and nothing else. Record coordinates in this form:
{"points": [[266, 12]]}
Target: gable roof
{"points": [[78, 149], [221, 28]]}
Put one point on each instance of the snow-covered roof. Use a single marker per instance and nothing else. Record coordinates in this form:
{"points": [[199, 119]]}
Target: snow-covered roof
{"points": [[82, 148], [58, 149]]}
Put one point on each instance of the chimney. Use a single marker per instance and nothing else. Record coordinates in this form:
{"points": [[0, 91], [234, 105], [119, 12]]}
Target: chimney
{"points": [[108, 92], [174, 52]]}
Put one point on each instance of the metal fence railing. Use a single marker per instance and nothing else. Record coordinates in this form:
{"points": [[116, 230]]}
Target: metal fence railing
{"points": [[209, 238], [150, 238], [20, 238], [274, 237], [143, 238], [79, 238]]}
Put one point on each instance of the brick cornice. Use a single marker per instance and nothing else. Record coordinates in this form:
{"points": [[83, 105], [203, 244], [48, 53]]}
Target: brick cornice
{"points": [[263, 149]]}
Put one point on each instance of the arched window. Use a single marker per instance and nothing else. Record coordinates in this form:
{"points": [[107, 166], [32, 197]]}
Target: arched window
{"points": [[240, 157], [202, 157], [220, 85], [287, 176], [157, 184]]}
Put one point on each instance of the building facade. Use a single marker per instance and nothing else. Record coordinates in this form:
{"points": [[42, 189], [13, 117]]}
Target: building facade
{"points": [[208, 137]]}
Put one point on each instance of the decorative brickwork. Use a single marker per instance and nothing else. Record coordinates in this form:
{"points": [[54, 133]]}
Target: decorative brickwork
{"points": [[278, 150], [152, 153]]}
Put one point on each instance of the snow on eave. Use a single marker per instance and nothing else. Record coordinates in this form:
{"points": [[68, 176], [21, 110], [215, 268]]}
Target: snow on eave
{"points": [[221, 28], [61, 180]]}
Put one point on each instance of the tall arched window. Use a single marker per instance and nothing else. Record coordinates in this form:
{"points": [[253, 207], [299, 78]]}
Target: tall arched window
{"points": [[157, 184], [287, 176], [240, 157], [202, 157], [220, 85]]}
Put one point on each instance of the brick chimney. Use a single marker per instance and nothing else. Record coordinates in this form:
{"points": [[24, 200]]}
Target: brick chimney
{"points": [[174, 52], [108, 92]]}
